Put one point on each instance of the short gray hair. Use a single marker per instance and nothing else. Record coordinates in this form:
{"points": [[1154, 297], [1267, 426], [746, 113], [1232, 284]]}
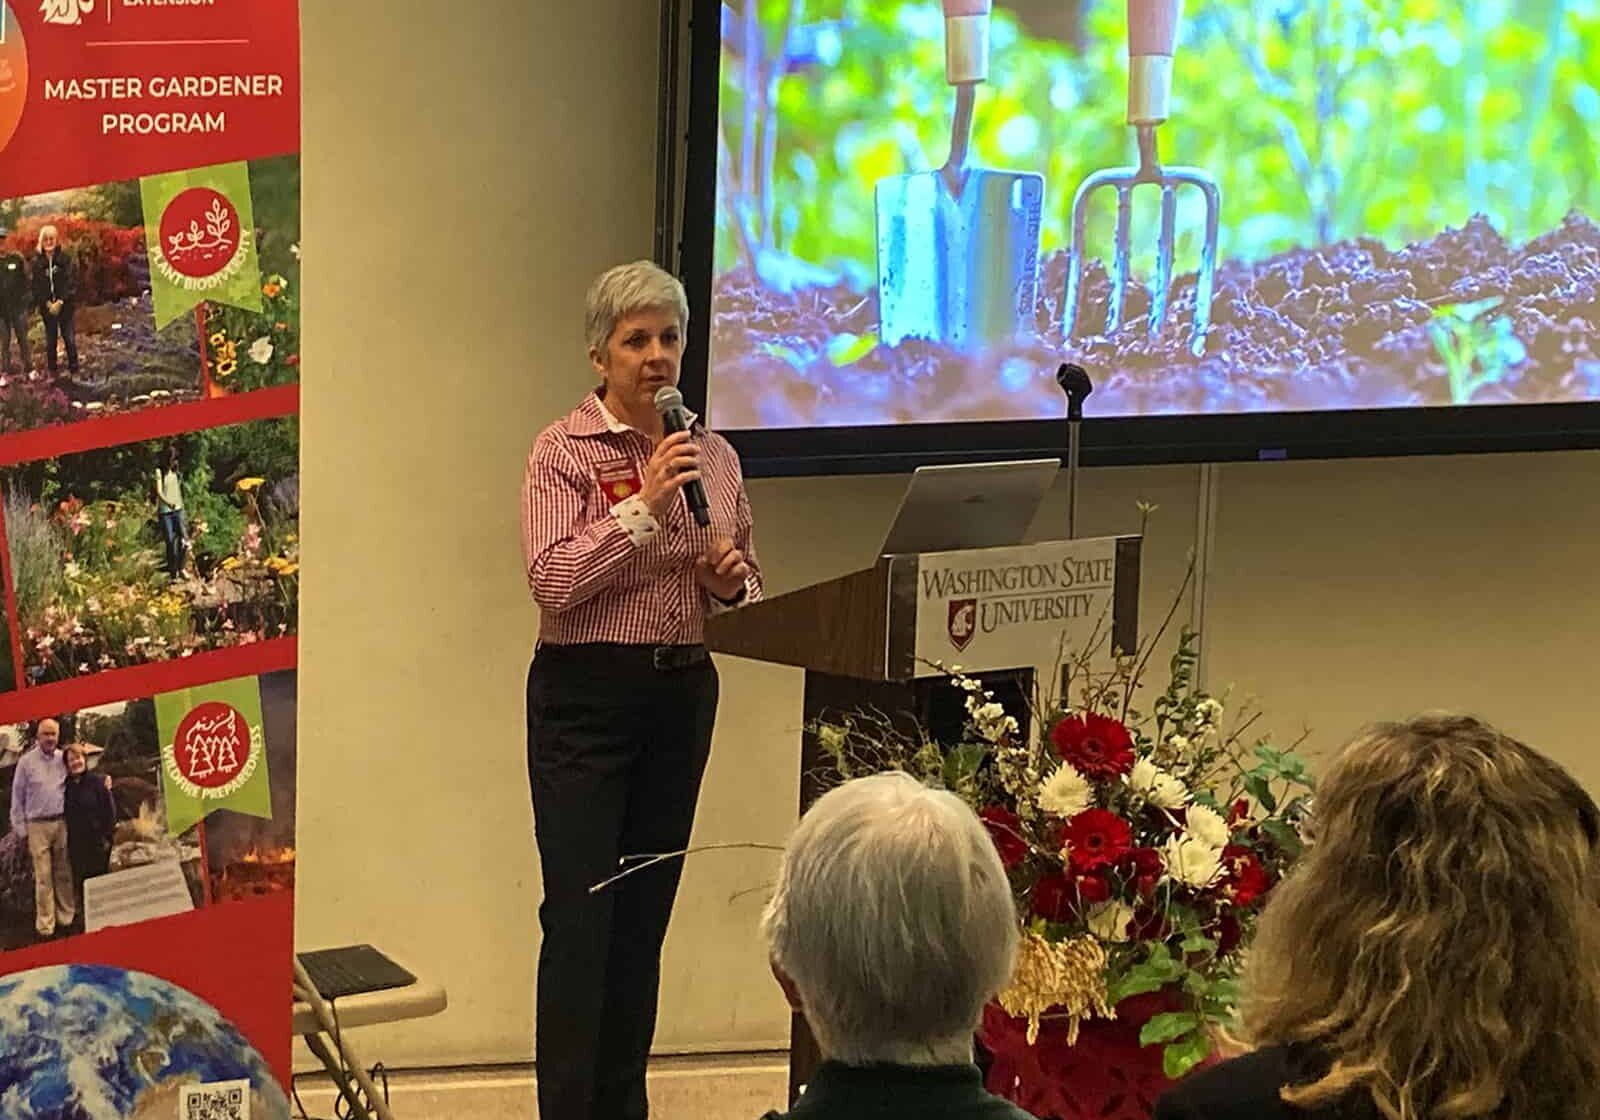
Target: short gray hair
{"points": [[894, 919], [626, 289]]}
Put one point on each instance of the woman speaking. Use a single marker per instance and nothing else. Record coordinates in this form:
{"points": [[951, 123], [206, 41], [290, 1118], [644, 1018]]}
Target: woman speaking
{"points": [[621, 692]]}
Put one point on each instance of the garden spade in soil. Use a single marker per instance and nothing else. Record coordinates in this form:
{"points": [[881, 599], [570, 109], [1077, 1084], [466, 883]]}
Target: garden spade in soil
{"points": [[1152, 35], [958, 248]]}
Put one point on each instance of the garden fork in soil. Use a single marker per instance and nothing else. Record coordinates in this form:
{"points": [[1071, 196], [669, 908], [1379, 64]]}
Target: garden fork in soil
{"points": [[1152, 34]]}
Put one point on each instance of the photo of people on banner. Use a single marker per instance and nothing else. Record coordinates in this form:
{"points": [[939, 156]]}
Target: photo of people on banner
{"points": [[147, 808], [147, 292], [156, 550]]}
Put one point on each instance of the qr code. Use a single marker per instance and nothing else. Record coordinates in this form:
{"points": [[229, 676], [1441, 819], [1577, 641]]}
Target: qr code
{"points": [[221, 1100]]}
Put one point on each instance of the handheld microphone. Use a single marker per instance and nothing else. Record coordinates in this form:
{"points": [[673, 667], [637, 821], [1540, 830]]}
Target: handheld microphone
{"points": [[669, 406]]}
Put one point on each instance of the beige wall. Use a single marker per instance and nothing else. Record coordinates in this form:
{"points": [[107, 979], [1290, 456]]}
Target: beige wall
{"points": [[468, 168]]}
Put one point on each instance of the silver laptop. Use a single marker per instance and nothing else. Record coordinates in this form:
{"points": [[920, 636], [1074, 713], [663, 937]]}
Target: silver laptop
{"points": [[969, 505]]}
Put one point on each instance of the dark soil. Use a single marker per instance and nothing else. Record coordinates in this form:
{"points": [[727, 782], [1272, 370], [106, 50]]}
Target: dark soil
{"points": [[1344, 326]]}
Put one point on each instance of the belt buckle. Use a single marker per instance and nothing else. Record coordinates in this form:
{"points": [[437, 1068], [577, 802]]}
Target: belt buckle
{"points": [[671, 659]]}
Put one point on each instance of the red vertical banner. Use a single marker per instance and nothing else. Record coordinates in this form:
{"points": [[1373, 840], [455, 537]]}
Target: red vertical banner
{"points": [[149, 551]]}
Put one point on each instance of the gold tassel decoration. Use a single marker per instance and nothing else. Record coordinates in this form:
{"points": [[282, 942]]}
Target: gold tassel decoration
{"points": [[1066, 978]]}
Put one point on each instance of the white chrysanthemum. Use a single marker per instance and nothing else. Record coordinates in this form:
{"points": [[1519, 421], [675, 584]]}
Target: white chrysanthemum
{"points": [[1179, 743], [1191, 862], [1208, 709], [1109, 921], [1207, 826], [1157, 786], [1067, 792]]}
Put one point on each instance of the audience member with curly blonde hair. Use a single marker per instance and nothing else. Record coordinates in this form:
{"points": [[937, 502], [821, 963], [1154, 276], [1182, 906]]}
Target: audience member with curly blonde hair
{"points": [[1436, 953]]}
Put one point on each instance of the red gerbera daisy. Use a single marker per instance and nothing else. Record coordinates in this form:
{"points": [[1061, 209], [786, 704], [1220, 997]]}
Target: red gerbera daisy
{"points": [[1096, 838], [1056, 898], [1097, 746], [1052, 898], [1092, 889], [1006, 831], [1144, 868], [1246, 879]]}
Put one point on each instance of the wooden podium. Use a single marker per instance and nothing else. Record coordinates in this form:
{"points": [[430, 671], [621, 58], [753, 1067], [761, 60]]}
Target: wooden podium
{"points": [[877, 638]]}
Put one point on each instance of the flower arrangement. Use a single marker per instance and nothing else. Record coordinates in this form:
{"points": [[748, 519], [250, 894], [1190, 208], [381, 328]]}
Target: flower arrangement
{"points": [[1140, 846]]}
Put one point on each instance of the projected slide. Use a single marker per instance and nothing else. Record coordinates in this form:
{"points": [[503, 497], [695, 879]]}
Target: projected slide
{"points": [[1218, 206]]}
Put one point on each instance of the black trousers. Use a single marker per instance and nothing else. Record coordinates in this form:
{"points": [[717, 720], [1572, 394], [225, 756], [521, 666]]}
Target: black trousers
{"points": [[616, 752], [14, 323], [65, 327]]}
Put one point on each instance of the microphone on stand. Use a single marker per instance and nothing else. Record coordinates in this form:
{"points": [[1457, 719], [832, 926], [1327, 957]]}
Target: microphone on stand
{"points": [[1075, 383], [674, 418]]}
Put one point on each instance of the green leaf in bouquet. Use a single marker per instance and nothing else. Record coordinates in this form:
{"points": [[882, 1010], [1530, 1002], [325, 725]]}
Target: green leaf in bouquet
{"points": [[1184, 1054], [1259, 789], [1152, 975], [1167, 1026], [1294, 769], [1198, 943], [1284, 836], [1221, 1000], [961, 765], [1137, 981]]}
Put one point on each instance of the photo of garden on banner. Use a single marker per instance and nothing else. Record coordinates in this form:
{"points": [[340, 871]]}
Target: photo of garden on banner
{"points": [[110, 353], [1216, 207], [154, 551]]}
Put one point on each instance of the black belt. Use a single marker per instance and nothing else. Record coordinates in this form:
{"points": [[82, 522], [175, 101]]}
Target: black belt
{"points": [[662, 659]]}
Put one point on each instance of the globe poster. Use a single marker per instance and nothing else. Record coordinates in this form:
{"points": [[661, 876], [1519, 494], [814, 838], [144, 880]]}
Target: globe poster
{"points": [[149, 556]]}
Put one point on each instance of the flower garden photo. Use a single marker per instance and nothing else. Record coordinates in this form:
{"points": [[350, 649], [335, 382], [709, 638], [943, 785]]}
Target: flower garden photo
{"points": [[155, 550], [110, 355], [1140, 842]]}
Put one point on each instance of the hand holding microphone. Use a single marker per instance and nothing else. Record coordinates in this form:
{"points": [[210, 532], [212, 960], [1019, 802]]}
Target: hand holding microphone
{"points": [[675, 465]]}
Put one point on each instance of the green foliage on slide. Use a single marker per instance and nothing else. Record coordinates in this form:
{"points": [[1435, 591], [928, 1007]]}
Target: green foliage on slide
{"points": [[1320, 119]]}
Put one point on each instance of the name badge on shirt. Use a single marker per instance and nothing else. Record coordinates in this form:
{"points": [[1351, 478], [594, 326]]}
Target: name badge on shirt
{"points": [[619, 479]]}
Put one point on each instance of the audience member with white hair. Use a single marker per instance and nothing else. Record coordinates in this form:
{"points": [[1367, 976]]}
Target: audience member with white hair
{"points": [[891, 927]]}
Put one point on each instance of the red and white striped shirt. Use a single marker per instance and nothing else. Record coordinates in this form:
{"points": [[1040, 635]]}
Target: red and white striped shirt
{"points": [[601, 568]]}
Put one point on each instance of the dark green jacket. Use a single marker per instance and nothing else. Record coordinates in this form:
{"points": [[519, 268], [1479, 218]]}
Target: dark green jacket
{"points": [[840, 1092], [13, 285]]}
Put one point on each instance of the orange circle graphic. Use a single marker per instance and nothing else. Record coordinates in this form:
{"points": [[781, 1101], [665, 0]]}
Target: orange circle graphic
{"points": [[13, 75]]}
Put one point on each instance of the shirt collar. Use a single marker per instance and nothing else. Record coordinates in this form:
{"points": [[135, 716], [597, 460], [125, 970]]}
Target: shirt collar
{"points": [[592, 418], [906, 1087]]}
